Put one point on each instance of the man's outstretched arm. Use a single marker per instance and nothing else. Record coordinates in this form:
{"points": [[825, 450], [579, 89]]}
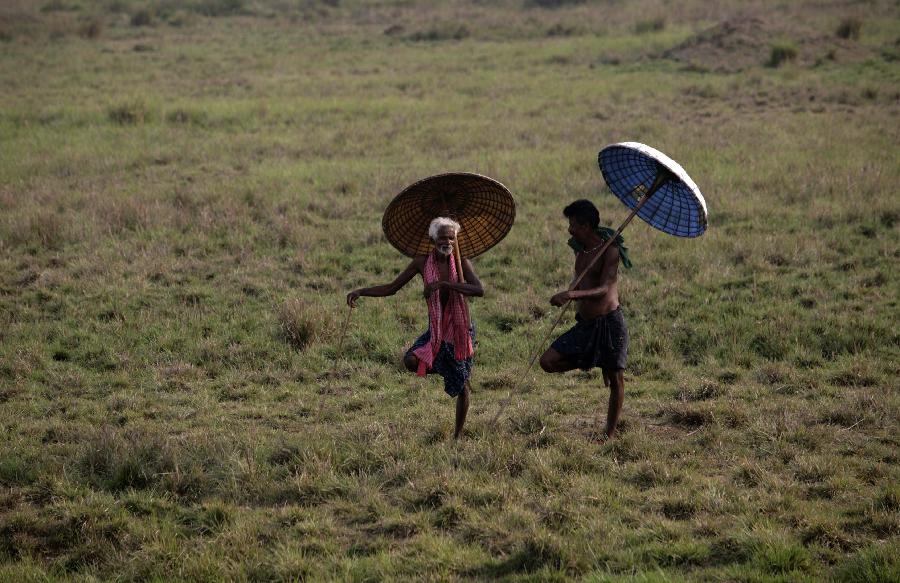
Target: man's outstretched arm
{"points": [[388, 289]]}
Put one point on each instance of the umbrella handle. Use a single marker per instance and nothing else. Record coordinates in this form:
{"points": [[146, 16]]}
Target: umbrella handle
{"points": [[459, 269], [343, 334]]}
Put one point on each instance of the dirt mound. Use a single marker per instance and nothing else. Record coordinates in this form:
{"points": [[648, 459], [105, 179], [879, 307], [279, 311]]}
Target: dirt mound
{"points": [[743, 42]]}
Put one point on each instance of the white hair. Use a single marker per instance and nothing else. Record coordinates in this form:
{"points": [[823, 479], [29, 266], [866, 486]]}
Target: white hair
{"points": [[439, 223]]}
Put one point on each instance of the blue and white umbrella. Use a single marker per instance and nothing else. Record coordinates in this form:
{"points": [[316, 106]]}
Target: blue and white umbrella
{"points": [[655, 188], [631, 171]]}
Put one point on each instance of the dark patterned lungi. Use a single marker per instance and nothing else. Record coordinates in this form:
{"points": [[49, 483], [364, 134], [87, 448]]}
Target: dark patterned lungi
{"points": [[455, 372], [601, 342]]}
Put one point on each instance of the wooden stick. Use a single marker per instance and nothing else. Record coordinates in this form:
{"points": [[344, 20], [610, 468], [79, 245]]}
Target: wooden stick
{"points": [[459, 269], [343, 334], [341, 342], [662, 175], [337, 354]]}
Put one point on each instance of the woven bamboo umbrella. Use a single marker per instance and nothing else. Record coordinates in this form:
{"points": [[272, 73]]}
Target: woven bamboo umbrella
{"points": [[655, 188], [483, 207]]}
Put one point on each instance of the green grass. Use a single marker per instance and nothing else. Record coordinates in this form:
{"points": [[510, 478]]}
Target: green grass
{"points": [[183, 206]]}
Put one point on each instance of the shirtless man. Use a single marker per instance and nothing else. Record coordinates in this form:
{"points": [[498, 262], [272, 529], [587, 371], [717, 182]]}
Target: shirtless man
{"points": [[447, 347], [600, 337]]}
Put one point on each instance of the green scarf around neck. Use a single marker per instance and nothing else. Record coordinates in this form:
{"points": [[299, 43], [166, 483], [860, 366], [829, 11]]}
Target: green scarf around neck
{"points": [[605, 234]]}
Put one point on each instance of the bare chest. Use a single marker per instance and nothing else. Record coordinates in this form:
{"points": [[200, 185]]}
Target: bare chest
{"points": [[593, 276]]}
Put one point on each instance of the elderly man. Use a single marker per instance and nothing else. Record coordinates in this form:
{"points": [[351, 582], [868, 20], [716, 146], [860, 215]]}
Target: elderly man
{"points": [[600, 337], [447, 347]]}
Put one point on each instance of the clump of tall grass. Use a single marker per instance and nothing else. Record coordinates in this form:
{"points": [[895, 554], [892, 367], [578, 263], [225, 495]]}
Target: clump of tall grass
{"points": [[180, 18], [220, 7], [878, 562], [777, 552], [687, 415], [849, 28], [301, 322], [187, 117], [131, 112], [59, 6], [117, 6], [142, 17], [125, 214], [552, 3], [92, 28], [781, 53], [870, 93], [650, 25], [119, 460], [43, 228], [560, 29], [702, 390], [439, 32]]}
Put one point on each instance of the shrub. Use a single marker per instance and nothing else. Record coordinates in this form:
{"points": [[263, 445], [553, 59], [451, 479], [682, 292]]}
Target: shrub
{"points": [[849, 28], [781, 53]]}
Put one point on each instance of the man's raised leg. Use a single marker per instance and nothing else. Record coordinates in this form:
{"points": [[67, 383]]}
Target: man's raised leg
{"points": [[554, 361]]}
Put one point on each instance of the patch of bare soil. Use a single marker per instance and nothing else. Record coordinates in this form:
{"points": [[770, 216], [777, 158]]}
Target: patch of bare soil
{"points": [[743, 42]]}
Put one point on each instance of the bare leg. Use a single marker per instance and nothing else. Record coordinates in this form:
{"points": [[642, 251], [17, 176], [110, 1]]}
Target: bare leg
{"points": [[616, 396], [462, 408], [553, 361]]}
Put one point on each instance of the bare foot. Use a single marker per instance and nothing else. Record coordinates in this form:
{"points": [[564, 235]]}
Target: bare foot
{"points": [[601, 437]]}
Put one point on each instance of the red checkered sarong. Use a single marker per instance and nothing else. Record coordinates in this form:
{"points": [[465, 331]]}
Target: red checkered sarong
{"points": [[450, 325]]}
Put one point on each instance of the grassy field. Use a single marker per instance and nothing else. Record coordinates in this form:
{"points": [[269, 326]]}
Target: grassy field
{"points": [[188, 189]]}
